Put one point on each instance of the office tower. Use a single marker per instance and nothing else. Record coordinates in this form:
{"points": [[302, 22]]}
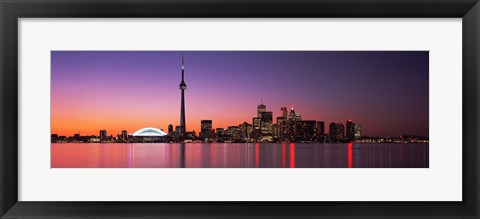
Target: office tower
{"points": [[276, 131], [170, 129], [247, 129], [320, 131], [350, 130], [205, 128], [266, 123], [124, 135], [256, 121], [358, 131], [332, 132], [260, 109], [304, 131], [220, 131], [103, 135], [294, 116], [284, 112], [340, 128]]}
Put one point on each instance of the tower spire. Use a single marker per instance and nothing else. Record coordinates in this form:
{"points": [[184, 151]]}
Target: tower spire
{"points": [[182, 87], [182, 67]]}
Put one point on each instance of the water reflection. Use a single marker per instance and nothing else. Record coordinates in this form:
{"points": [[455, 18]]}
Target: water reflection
{"points": [[241, 155]]}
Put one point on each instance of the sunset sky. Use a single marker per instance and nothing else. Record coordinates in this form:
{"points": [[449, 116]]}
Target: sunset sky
{"points": [[385, 92]]}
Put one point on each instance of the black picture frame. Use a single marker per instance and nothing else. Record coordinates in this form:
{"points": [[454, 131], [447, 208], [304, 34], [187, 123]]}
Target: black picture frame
{"points": [[12, 10]]}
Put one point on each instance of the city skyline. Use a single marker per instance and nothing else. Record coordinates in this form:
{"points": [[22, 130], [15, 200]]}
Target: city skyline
{"points": [[84, 85]]}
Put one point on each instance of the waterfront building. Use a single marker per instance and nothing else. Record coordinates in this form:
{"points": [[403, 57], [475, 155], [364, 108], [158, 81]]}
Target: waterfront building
{"points": [[247, 129], [350, 132], [149, 135], [124, 135], [340, 131], [304, 130], [294, 116], [332, 132], [290, 124], [358, 131], [266, 123], [103, 135], [276, 131], [220, 131], [205, 129], [283, 109], [260, 109], [320, 131], [256, 121]]}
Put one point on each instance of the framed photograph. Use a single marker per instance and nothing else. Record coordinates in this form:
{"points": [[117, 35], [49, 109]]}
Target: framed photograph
{"points": [[170, 109]]}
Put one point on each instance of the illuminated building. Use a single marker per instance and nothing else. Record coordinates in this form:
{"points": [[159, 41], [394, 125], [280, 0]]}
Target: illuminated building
{"points": [[340, 131], [256, 123], [350, 134], [220, 131], [282, 128], [220, 134], [205, 129], [276, 131], [103, 135], [267, 117], [235, 133], [256, 130], [332, 132], [304, 131], [266, 123], [358, 131], [124, 135], [260, 109], [320, 131], [190, 135], [282, 123], [284, 112], [290, 125], [294, 116], [247, 129], [149, 135], [54, 138]]}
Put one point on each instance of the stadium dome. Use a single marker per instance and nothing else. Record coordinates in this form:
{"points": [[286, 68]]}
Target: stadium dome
{"points": [[149, 132]]}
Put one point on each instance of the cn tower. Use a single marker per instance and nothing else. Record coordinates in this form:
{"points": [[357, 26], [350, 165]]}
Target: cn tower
{"points": [[182, 86]]}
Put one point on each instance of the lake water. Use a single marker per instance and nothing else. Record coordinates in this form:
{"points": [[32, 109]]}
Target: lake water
{"points": [[242, 155]]}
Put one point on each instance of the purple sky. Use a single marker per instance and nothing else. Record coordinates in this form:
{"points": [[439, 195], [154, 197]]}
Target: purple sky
{"points": [[386, 92]]}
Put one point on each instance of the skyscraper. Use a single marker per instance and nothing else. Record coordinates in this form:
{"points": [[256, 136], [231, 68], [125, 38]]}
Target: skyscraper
{"points": [[103, 135], [260, 109], [320, 131], [350, 130], [182, 87], [332, 132], [170, 129], [284, 112], [358, 131], [304, 130], [282, 123], [340, 128], [266, 123], [294, 116], [205, 128], [124, 134]]}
